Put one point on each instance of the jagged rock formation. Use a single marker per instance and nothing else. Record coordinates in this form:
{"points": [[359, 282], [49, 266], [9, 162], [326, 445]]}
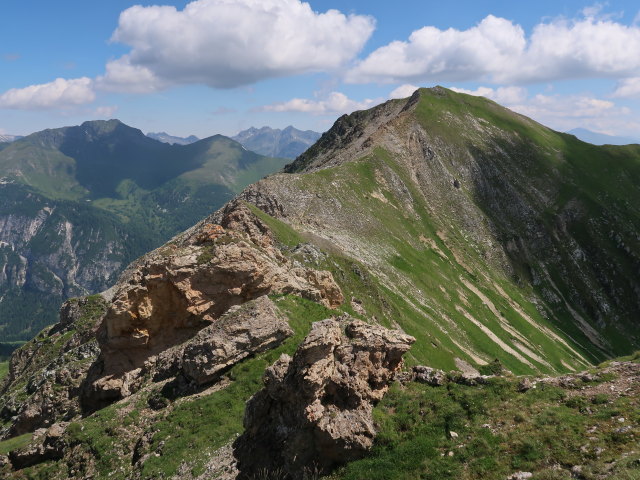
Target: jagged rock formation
{"points": [[315, 410], [200, 358], [167, 297]]}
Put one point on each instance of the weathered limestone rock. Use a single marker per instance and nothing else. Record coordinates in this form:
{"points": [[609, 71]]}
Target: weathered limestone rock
{"points": [[252, 329], [246, 330], [315, 410]]}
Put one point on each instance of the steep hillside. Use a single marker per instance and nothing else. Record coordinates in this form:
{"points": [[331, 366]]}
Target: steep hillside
{"points": [[490, 235], [80, 203], [287, 143]]}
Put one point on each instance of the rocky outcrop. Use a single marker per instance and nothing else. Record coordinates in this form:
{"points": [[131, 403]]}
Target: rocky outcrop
{"points": [[246, 330], [46, 444], [170, 295], [428, 375], [315, 411], [250, 329]]}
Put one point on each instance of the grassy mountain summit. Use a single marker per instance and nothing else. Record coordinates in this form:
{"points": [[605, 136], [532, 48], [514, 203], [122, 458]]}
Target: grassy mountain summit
{"points": [[92, 160], [490, 234], [79, 203]]}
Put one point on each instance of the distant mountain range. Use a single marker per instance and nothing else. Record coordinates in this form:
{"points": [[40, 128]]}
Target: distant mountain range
{"points": [[273, 142], [164, 137], [77, 204], [596, 138]]}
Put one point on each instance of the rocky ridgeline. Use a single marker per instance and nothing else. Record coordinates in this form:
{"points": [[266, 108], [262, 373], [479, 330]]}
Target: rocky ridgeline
{"points": [[169, 296]]}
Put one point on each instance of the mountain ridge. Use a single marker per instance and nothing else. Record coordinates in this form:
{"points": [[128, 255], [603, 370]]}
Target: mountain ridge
{"points": [[504, 251], [288, 142], [172, 139]]}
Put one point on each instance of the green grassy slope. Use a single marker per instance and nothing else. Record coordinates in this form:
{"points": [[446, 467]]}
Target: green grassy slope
{"points": [[500, 429], [484, 234]]}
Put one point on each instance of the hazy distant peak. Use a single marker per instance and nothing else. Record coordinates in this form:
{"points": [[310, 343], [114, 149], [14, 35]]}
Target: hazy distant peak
{"points": [[166, 138], [9, 138], [596, 138], [274, 142]]}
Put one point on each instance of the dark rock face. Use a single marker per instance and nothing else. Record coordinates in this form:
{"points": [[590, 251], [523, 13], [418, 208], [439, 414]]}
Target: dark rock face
{"points": [[315, 411]]}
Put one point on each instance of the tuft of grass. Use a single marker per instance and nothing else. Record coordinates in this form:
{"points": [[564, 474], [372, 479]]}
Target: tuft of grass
{"points": [[15, 443]]}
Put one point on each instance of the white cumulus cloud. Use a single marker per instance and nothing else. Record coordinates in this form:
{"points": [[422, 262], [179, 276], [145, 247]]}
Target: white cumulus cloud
{"points": [[122, 76], [403, 91], [229, 43], [499, 51], [57, 94], [333, 103], [502, 95]]}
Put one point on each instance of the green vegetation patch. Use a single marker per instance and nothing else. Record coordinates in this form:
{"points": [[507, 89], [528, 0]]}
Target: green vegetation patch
{"points": [[15, 443], [284, 233]]}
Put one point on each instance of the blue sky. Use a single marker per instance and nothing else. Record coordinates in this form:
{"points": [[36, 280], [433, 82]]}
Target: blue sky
{"points": [[219, 66]]}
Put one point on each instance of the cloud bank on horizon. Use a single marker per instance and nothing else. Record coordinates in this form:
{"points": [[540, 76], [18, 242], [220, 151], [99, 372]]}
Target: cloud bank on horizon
{"points": [[227, 44]]}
